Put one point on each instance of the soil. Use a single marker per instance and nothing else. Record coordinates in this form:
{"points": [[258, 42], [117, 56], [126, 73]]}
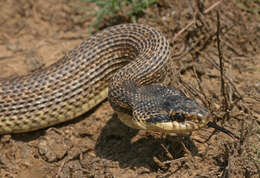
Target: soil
{"points": [[35, 34]]}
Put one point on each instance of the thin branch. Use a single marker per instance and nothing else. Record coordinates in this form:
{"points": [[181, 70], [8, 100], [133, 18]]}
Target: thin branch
{"points": [[221, 65], [192, 22]]}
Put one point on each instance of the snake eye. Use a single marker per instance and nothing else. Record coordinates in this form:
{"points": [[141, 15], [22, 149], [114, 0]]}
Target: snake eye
{"points": [[180, 117]]}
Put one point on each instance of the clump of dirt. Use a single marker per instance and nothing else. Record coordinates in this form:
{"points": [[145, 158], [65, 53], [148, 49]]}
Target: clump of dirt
{"points": [[215, 60]]}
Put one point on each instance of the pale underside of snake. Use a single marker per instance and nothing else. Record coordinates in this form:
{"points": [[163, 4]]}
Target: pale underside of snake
{"points": [[126, 63]]}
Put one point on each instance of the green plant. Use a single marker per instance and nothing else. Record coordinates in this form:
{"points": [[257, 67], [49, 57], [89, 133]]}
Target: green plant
{"points": [[109, 8]]}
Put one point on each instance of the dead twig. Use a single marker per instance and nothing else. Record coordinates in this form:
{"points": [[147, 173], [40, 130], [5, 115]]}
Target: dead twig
{"points": [[191, 23], [221, 66]]}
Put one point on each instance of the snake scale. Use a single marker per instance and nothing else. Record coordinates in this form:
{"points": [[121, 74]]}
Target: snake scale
{"points": [[127, 62]]}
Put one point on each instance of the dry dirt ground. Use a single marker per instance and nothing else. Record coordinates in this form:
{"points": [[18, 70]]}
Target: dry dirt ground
{"points": [[36, 33]]}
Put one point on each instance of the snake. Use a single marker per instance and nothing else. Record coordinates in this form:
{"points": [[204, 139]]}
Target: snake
{"points": [[126, 63]]}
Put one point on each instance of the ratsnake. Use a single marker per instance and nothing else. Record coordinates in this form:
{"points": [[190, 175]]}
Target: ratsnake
{"points": [[127, 63]]}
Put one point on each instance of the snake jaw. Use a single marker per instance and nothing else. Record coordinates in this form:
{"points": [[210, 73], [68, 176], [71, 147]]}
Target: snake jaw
{"points": [[177, 122]]}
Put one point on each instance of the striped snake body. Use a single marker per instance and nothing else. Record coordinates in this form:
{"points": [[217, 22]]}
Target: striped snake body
{"points": [[127, 63]]}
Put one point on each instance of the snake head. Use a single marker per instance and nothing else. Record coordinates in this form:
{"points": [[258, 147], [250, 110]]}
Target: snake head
{"points": [[169, 110], [160, 108]]}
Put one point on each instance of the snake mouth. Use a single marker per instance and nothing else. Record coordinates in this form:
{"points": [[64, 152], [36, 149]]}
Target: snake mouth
{"points": [[177, 122]]}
